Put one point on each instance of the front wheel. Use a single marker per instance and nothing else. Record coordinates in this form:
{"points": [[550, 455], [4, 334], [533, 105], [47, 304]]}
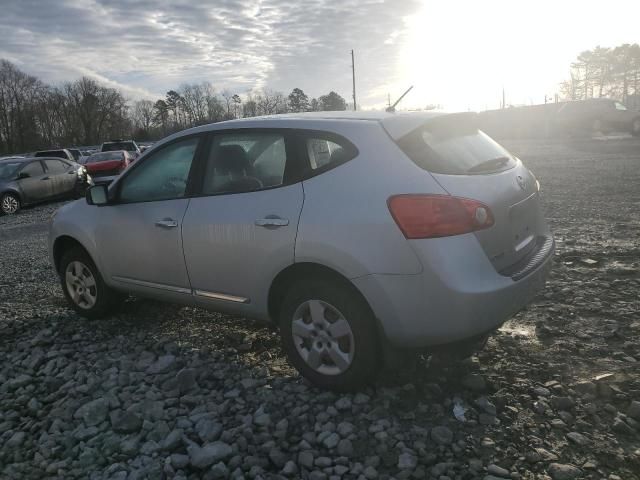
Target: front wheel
{"points": [[329, 336], [10, 204], [83, 286]]}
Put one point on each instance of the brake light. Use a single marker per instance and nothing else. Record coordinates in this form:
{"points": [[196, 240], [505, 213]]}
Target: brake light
{"points": [[430, 216]]}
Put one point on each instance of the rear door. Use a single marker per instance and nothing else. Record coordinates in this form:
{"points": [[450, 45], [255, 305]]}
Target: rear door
{"points": [[38, 186], [240, 231], [469, 164], [63, 177]]}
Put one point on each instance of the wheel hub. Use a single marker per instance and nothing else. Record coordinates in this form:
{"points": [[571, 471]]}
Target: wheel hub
{"points": [[323, 337], [9, 204], [81, 285]]}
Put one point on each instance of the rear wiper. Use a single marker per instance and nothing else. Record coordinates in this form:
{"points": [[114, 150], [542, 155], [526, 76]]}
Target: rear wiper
{"points": [[489, 165]]}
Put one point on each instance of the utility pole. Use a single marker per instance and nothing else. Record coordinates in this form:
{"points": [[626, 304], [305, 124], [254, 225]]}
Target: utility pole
{"points": [[353, 76], [388, 99], [504, 105]]}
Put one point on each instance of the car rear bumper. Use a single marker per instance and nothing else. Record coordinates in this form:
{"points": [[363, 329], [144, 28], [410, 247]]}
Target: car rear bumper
{"points": [[459, 295]]}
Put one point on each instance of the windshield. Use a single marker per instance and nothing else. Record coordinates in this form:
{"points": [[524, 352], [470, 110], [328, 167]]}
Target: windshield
{"points": [[455, 152], [8, 169], [104, 157], [110, 147]]}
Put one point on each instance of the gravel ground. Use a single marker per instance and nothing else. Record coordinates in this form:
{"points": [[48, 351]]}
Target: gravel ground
{"points": [[167, 392]]}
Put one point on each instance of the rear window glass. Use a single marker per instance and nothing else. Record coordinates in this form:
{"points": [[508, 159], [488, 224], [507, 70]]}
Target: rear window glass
{"points": [[456, 152], [52, 153], [103, 157], [110, 147]]}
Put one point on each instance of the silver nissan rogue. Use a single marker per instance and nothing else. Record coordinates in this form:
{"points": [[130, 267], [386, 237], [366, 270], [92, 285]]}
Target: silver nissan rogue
{"points": [[352, 232]]}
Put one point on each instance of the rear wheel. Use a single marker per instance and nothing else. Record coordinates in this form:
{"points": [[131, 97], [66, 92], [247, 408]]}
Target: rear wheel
{"points": [[10, 203], [83, 286], [328, 334]]}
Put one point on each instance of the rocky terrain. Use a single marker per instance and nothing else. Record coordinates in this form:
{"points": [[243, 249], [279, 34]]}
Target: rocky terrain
{"points": [[165, 392]]}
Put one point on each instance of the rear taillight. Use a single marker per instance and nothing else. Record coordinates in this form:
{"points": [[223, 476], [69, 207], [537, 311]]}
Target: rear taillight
{"points": [[429, 216]]}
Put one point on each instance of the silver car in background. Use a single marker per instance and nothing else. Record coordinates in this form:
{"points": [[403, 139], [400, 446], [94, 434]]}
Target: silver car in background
{"points": [[355, 233]]}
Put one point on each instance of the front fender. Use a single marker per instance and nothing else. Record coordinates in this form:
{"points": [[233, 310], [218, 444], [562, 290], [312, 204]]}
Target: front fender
{"points": [[75, 220]]}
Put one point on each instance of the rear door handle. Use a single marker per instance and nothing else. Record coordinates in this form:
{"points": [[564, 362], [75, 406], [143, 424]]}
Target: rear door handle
{"points": [[166, 223], [272, 222]]}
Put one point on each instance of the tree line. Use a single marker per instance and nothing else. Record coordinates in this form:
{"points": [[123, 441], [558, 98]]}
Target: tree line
{"points": [[35, 115], [604, 72]]}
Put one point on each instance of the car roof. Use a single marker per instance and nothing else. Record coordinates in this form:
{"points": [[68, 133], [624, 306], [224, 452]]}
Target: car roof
{"points": [[396, 124]]}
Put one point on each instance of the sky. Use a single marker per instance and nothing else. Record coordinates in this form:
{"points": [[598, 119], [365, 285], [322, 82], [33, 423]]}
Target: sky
{"points": [[458, 54]]}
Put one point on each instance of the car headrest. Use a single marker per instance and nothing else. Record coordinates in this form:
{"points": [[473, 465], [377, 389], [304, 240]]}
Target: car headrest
{"points": [[232, 158]]}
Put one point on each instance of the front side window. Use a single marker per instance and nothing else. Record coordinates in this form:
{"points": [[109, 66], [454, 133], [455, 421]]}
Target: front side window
{"points": [[620, 106], [162, 176], [245, 162], [34, 169]]}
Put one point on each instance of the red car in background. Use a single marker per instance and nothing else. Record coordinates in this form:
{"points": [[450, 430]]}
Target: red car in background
{"points": [[105, 166]]}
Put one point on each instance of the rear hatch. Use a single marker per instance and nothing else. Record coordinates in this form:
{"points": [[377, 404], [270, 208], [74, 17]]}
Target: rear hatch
{"points": [[467, 163]]}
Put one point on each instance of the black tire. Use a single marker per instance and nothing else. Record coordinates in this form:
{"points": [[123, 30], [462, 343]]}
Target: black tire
{"points": [[106, 299], [10, 203], [364, 366]]}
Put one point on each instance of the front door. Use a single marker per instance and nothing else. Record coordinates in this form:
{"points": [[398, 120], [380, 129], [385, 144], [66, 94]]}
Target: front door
{"points": [[139, 233], [240, 231], [36, 186]]}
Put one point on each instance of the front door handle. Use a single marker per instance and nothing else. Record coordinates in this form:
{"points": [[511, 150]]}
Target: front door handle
{"points": [[46, 178], [167, 223], [272, 222]]}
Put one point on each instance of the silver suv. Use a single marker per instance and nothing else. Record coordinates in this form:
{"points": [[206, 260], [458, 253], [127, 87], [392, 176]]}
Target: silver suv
{"points": [[355, 233]]}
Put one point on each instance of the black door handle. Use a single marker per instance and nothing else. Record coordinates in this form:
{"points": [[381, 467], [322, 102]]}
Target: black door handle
{"points": [[46, 178]]}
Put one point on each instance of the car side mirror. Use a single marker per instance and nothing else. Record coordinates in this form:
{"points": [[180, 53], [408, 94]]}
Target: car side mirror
{"points": [[22, 175], [97, 195]]}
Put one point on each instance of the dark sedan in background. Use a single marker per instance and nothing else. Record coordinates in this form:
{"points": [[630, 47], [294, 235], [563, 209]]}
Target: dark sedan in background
{"points": [[26, 181]]}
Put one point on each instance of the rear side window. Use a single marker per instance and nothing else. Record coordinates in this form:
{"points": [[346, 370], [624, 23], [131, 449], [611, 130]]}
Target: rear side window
{"points": [[56, 166], [453, 151], [326, 151]]}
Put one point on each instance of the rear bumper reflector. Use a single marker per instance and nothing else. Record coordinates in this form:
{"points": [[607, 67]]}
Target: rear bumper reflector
{"points": [[544, 247]]}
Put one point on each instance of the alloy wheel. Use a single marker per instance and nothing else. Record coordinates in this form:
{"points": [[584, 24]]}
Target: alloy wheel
{"points": [[323, 337], [81, 285], [10, 204]]}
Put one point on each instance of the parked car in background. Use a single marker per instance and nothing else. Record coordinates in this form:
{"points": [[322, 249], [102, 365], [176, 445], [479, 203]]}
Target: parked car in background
{"points": [[597, 115], [127, 145], [26, 181], [105, 166], [76, 153], [59, 153], [355, 233]]}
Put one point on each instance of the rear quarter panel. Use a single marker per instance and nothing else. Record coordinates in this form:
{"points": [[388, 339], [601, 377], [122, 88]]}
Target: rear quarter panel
{"points": [[345, 222]]}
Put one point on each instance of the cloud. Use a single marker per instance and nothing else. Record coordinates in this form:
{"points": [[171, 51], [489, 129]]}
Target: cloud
{"points": [[148, 47]]}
